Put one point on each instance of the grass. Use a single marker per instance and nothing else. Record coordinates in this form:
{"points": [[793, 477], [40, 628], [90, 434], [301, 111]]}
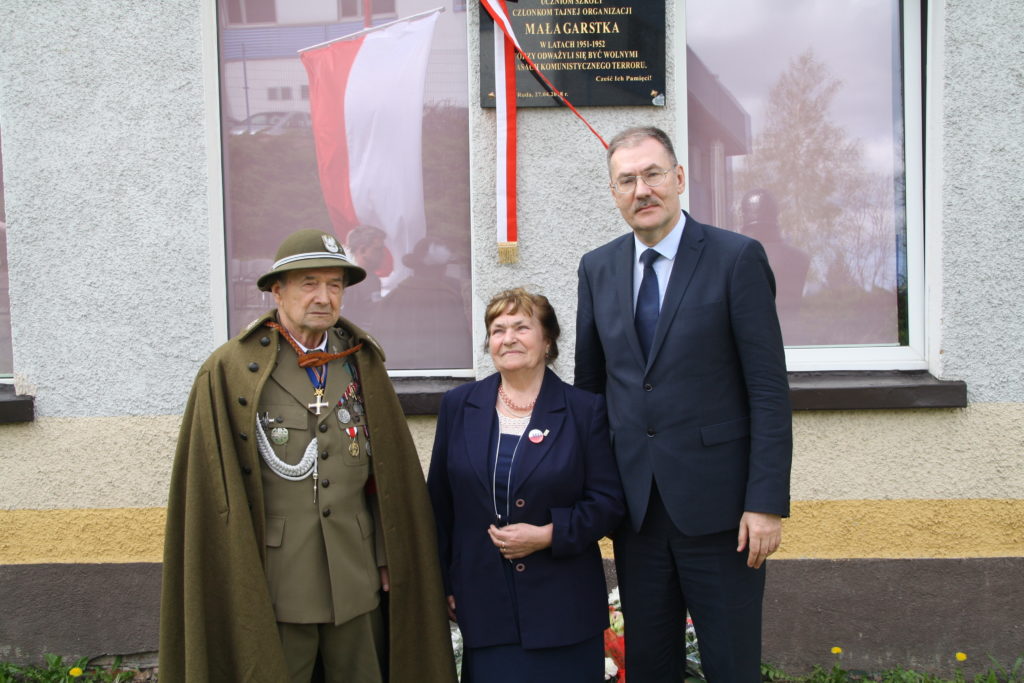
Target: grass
{"points": [[996, 673], [56, 670]]}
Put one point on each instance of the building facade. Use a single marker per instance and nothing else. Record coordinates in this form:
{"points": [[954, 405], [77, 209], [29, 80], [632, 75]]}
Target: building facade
{"points": [[906, 542]]}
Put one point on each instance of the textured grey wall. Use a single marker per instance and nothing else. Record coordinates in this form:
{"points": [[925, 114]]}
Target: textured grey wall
{"points": [[106, 186], [983, 199]]}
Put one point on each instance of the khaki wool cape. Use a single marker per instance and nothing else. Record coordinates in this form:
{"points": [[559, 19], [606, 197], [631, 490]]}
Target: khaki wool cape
{"points": [[217, 622]]}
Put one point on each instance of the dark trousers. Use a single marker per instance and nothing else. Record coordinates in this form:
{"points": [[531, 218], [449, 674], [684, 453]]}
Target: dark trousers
{"points": [[663, 573]]}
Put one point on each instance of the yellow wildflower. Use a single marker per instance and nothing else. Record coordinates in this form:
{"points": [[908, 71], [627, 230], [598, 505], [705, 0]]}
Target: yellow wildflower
{"points": [[961, 656], [837, 650], [75, 671]]}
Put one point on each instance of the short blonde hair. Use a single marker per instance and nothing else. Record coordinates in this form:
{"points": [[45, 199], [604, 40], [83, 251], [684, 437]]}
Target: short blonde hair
{"points": [[534, 305]]}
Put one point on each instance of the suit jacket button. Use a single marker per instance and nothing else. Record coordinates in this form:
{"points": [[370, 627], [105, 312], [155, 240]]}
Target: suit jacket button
{"points": [[520, 503], [520, 567], [323, 456], [264, 341], [327, 512], [246, 469], [650, 432], [243, 436], [648, 387], [242, 401], [325, 483], [322, 427], [253, 367]]}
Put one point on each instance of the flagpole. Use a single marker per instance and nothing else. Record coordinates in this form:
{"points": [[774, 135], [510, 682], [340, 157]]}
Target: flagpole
{"points": [[372, 28]]}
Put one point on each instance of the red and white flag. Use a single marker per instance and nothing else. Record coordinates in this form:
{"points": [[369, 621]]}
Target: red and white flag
{"points": [[366, 103]]}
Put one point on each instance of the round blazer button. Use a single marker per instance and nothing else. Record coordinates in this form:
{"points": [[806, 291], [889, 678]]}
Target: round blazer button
{"points": [[520, 567], [520, 503], [253, 367], [264, 341], [243, 436], [648, 387], [325, 483], [650, 432], [323, 456], [327, 512], [246, 469], [242, 401], [322, 427]]}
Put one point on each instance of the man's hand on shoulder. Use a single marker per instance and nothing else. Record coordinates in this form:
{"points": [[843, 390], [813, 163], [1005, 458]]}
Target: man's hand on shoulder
{"points": [[762, 533]]}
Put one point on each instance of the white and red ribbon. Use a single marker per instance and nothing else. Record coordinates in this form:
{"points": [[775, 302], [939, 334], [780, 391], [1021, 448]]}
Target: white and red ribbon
{"points": [[505, 48]]}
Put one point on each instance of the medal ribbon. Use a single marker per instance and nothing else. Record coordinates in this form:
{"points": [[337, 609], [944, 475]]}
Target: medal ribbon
{"points": [[311, 359], [505, 48]]}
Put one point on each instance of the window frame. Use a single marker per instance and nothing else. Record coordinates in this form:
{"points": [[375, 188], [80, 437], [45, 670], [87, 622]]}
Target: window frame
{"points": [[916, 355]]}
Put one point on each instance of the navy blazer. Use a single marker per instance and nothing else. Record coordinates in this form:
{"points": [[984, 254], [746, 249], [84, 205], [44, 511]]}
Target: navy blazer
{"points": [[568, 479], [708, 415]]}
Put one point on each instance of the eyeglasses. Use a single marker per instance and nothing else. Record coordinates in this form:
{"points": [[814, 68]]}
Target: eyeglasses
{"points": [[627, 183]]}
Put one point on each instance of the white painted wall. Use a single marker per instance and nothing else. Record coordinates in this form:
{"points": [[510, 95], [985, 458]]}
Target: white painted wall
{"points": [[102, 108], [982, 324]]}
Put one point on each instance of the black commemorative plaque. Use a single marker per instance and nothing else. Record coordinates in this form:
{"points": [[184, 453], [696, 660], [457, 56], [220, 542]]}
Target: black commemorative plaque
{"points": [[595, 52]]}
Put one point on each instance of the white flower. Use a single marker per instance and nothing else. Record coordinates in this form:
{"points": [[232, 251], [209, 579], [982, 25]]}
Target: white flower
{"points": [[610, 670]]}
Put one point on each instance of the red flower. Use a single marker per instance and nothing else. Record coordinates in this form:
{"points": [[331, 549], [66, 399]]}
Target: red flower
{"points": [[615, 649]]}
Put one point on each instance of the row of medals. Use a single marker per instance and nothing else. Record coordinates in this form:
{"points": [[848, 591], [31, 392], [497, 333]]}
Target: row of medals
{"points": [[348, 405]]}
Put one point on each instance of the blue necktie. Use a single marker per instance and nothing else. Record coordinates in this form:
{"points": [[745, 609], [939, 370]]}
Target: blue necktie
{"points": [[647, 308]]}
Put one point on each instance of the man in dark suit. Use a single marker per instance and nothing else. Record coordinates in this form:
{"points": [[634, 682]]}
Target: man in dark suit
{"points": [[676, 325]]}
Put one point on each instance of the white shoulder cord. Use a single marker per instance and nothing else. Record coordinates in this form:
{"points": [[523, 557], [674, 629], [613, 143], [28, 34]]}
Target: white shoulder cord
{"points": [[297, 472]]}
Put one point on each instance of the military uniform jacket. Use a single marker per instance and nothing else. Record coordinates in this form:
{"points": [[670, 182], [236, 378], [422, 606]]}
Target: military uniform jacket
{"points": [[217, 619], [321, 556]]}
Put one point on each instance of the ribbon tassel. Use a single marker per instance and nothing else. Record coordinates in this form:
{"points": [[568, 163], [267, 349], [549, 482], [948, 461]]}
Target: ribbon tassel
{"points": [[505, 48]]}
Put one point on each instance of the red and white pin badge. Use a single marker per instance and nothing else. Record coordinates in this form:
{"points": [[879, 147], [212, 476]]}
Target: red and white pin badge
{"points": [[536, 436]]}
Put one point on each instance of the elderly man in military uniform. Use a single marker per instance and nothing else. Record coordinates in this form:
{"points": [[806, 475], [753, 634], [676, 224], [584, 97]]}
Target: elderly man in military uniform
{"points": [[297, 501]]}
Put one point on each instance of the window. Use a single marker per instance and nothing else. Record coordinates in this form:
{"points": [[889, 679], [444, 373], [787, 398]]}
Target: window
{"points": [[805, 132], [416, 300], [6, 355], [250, 11], [352, 9]]}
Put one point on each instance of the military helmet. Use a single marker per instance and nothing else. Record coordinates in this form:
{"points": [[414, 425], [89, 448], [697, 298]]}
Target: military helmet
{"points": [[311, 249]]}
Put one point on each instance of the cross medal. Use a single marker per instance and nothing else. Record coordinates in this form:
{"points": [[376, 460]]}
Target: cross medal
{"points": [[318, 401]]}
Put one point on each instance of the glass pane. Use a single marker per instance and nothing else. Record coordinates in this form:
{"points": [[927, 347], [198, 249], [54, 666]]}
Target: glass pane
{"points": [[259, 11], [416, 300], [796, 139], [6, 356]]}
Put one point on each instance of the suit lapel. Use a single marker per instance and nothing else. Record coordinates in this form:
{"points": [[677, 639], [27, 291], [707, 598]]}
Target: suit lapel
{"points": [[688, 255], [549, 416], [622, 276], [478, 424]]}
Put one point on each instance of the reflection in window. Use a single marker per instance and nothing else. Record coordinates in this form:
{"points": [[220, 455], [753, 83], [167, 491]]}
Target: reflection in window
{"points": [[416, 300], [348, 9], [251, 11], [6, 356], [796, 139]]}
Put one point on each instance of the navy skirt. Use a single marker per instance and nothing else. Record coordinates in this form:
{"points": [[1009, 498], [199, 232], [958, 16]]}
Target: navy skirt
{"points": [[578, 663]]}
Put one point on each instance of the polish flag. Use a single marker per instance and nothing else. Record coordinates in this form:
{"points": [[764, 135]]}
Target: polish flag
{"points": [[366, 103]]}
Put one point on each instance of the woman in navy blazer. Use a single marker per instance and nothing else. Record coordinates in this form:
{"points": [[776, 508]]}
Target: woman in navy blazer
{"points": [[523, 484]]}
